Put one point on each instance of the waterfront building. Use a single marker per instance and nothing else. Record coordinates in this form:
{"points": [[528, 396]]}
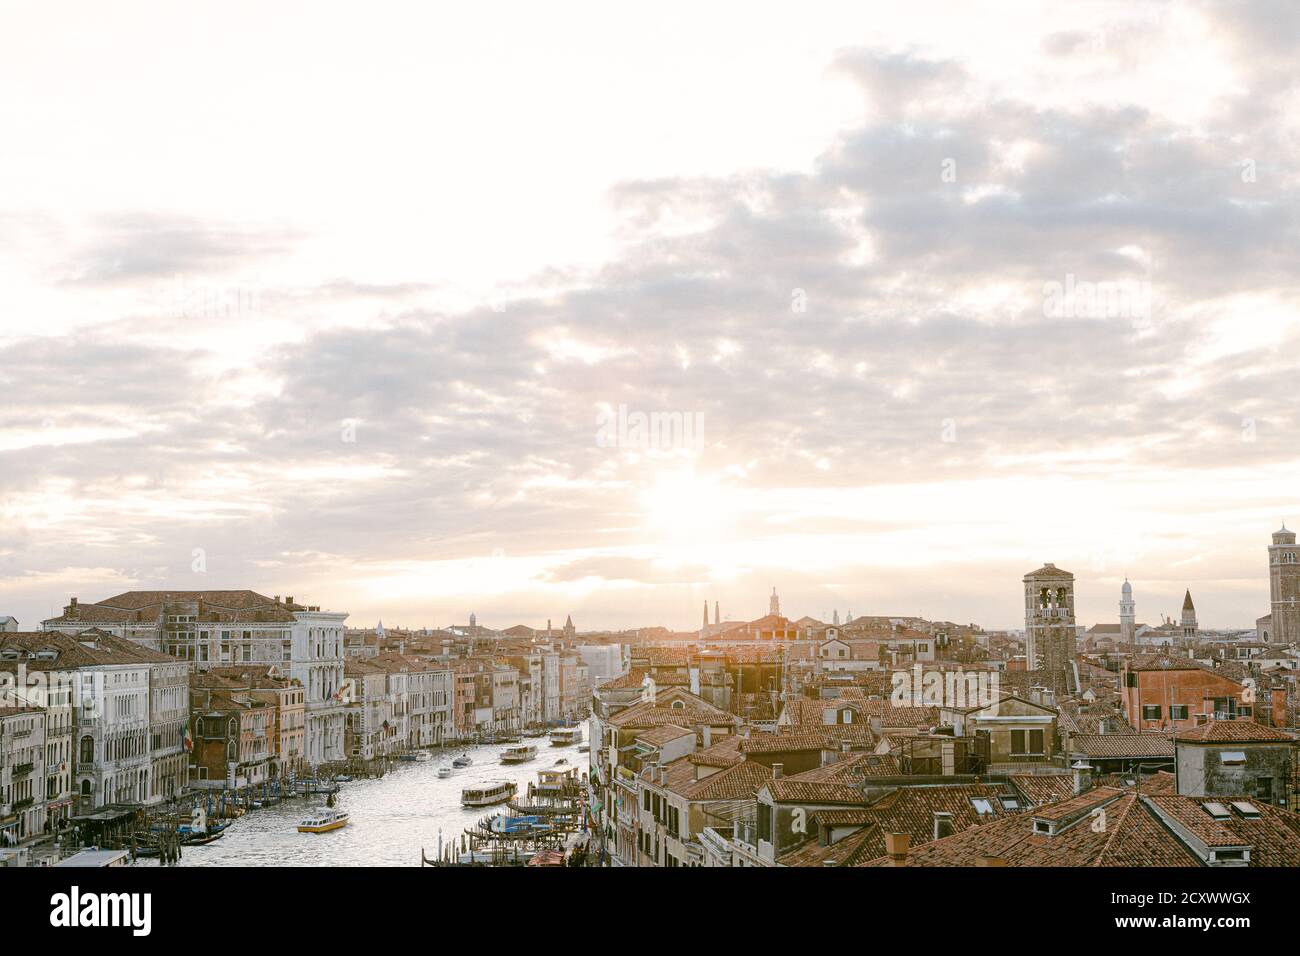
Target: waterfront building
{"points": [[209, 629], [231, 736], [42, 676], [368, 723], [286, 735], [22, 774]]}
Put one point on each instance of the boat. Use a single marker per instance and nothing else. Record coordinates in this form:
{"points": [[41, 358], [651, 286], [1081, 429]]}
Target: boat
{"points": [[323, 821], [584, 749], [444, 772], [517, 826], [417, 756], [520, 754], [203, 839], [563, 736], [464, 760], [487, 794]]}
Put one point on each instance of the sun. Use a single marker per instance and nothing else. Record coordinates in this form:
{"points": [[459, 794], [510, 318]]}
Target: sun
{"points": [[682, 508]]}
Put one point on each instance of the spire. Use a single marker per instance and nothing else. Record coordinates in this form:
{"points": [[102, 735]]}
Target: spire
{"points": [[717, 614], [1187, 601], [774, 604], [706, 617]]}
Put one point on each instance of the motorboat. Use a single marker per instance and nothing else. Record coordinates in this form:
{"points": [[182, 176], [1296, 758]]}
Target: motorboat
{"points": [[323, 821], [444, 772], [488, 794], [519, 754], [563, 736], [463, 761]]}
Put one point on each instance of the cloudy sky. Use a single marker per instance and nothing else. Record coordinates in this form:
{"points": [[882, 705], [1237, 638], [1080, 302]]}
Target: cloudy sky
{"points": [[349, 303]]}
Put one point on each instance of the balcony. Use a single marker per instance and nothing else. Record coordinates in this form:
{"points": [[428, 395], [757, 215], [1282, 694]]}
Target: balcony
{"points": [[21, 805], [23, 769]]}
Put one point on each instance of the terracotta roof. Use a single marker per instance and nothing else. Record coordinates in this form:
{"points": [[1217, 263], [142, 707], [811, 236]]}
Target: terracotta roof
{"points": [[1040, 788], [633, 678], [661, 711], [852, 850], [1108, 746], [791, 790], [1131, 836], [781, 743], [1236, 731], [738, 782], [853, 769], [658, 736], [722, 753]]}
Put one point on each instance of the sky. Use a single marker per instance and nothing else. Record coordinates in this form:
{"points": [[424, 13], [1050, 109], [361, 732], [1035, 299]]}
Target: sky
{"points": [[610, 310]]}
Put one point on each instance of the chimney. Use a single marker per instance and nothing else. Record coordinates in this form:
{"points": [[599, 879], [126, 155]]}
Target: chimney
{"points": [[896, 847], [991, 861], [1082, 777], [777, 770], [942, 824], [705, 734]]}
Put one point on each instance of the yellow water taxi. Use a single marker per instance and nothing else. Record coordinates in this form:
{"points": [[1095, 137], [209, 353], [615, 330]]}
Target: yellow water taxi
{"points": [[323, 822]]}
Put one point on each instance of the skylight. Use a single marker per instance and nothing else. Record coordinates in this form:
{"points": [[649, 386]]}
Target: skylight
{"points": [[1246, 809], [1216, 810]]}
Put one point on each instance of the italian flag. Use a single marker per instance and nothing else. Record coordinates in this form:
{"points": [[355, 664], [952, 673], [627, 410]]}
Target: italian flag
{"points": [[187, 741]]}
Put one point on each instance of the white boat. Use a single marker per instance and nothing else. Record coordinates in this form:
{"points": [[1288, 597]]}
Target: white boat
{"points": [[563, 736], [323, 821], [520, 754], [487, 794], [444, 772], [464, 760]]}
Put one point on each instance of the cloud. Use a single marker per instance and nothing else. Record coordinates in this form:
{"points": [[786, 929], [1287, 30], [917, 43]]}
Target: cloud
{"points": [[879, 321]]}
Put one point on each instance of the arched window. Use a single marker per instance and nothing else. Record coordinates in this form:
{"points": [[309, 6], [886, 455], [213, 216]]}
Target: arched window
{"points": [[85, 788], [87, 749]]}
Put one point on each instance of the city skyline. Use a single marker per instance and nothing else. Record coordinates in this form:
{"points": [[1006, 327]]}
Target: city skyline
{"points": [[882, 308]]}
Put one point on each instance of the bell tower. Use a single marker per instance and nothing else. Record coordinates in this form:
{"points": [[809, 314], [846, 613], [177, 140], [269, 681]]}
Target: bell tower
{"points": [[1127, 614], [1284, 586], [1049, 624]]}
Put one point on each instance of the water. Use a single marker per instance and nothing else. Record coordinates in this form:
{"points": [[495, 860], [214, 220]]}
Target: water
{"points": [[392, 817]]}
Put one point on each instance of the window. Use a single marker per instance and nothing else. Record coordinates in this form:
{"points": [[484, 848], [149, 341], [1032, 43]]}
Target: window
{"points": [[1027, 742], [1150, 711], [982, 806], [87, 749], [1177, 711]]}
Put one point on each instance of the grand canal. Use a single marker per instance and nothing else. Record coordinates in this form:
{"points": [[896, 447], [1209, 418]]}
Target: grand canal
{"points": [[392, 817]]}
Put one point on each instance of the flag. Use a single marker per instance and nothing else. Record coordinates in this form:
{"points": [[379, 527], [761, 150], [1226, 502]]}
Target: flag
{"points": [[186, 740]]}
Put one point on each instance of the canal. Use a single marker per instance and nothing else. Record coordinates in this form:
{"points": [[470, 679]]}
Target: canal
{"points": [[390, 817]]}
